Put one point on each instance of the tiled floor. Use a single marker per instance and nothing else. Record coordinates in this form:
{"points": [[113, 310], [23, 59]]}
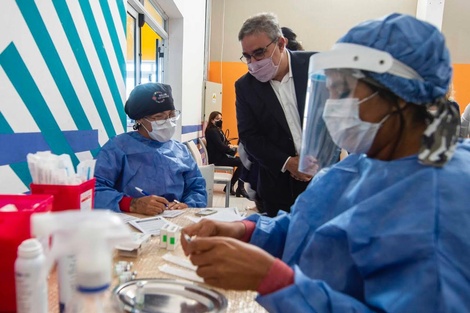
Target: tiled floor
{"points": [[219, 199]]}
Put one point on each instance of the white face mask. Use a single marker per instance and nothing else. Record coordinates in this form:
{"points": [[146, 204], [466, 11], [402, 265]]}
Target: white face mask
{"points": [[161, 133], [346, 128]]}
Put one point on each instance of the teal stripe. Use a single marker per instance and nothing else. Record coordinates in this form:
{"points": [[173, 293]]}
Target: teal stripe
{"points": [[4, 126], [121, 4], [20, 169], [108, 18], [26, 88], [48, 51], [102, 55], [85, 67]]}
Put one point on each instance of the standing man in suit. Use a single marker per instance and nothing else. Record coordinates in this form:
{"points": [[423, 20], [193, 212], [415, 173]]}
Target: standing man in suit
{"points": [[270, 102]]}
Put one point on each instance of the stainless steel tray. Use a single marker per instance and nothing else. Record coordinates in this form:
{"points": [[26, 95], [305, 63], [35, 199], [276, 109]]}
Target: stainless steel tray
{"points": [[168, 296]]}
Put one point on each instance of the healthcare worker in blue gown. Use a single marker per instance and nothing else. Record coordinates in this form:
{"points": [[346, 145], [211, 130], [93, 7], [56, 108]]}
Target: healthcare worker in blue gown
{"points": [[387, 228], [145, 171]]}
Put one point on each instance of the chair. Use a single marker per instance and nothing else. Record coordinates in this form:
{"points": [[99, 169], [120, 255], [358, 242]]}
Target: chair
{"points": [[205, 157], [219, 177], [207, 172]]}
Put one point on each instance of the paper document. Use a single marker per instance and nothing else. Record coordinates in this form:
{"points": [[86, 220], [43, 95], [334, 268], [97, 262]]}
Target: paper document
{"points": [[171, 213], [223, 215], [126, 218], [184, 262], [150, 225], [187, 274]]}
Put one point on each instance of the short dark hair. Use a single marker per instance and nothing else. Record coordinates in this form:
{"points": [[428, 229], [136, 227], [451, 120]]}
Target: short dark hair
{"points": [[261, 23]]}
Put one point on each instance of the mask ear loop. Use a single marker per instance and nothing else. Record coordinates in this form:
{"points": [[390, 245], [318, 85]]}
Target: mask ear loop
{"points": [[441, 135]]}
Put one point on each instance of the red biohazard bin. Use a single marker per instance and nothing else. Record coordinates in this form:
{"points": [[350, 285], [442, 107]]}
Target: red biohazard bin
{"points": [[14, 228], [69, 197]]}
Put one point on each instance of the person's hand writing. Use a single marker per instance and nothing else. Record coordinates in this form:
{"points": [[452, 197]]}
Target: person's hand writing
{"points": [[229, 263], [176, 205], [209, 228], [293, 167], [148, 205]]}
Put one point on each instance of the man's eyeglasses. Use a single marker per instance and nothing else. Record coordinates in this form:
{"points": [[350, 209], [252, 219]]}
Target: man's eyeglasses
{"points": [[161, 119], [258, 54]]}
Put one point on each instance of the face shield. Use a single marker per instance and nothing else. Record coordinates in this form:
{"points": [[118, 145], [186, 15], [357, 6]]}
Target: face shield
{"points": [[334, 75]]}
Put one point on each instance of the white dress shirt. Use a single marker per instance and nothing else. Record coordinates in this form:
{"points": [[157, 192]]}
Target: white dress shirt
{"points": [[285, 92]]}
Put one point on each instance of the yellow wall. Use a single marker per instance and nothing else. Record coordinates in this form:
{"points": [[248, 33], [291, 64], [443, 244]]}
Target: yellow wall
{"points": [[231, 71], [149, 48]]}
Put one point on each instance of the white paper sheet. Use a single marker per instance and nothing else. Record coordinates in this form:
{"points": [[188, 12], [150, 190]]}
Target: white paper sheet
{"points": [[223, 215], [179, 261], [183, 273]]}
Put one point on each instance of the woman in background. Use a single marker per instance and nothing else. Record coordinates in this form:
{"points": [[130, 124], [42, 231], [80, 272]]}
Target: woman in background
{"points": [[221, 152]]}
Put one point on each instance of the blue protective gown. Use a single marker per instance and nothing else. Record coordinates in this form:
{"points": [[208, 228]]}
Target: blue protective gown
{"points": [[375, 236], [164, 169]]}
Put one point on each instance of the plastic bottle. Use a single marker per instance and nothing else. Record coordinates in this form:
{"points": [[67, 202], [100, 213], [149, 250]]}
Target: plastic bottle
{"points": [[90, 302], [31, 285], [90, 237], [93, 273]]}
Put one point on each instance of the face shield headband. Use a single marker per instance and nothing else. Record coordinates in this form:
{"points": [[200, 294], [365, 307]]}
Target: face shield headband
{"points": [[318, 149]]}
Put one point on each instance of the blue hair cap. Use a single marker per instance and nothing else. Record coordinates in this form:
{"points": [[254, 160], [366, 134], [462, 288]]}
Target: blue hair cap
{"points": [[415, 43]]}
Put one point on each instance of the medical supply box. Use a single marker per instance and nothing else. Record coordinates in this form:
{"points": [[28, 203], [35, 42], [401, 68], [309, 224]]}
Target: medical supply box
{"points": [[69, 197], [14, 228]]}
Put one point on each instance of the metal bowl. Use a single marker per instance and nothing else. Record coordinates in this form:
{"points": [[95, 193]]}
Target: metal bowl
{"points": [[167, 296]]}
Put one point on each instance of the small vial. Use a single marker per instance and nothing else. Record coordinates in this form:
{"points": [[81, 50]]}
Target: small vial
{"points": [[139, 299]]}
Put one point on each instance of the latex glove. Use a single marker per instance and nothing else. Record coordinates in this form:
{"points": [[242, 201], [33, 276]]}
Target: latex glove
{"points": [[149, 205], [229, 263]]}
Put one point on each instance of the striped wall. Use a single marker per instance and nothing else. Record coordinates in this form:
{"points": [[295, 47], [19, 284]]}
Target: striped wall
{"points": [[62, 74]]}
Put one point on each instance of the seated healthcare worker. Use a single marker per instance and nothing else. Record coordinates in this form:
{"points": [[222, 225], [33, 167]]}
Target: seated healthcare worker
{"points": [[386, 228], [148, 159]]}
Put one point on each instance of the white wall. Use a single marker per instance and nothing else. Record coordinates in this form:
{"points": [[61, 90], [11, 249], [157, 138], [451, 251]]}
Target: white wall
{"points": [[317, 23], [185, 67]]}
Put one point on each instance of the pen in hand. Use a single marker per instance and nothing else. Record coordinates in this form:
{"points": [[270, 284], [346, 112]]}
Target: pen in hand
{"points": [[142, 191], [147, 194]]}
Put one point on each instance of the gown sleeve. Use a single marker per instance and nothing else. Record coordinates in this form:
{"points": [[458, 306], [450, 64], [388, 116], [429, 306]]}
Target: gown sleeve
{"points": [[310, 295], [108, 169], [270, 233], [194, 195]]}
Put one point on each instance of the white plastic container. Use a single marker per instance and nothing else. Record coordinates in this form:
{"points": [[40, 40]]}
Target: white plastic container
{"points": [[66, 272], [91, 302], [91, 238], [31, 284]]}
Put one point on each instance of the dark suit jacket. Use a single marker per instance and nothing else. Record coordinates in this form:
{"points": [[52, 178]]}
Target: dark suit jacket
{"points": [[263, 129]]}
